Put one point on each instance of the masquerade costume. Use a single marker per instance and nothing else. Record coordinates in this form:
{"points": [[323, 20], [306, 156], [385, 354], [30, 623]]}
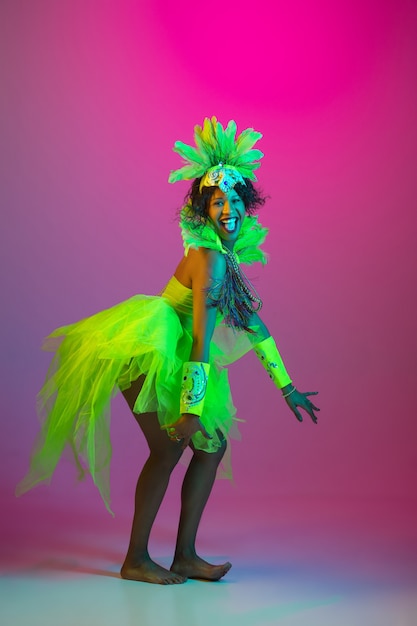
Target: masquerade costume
{"points": [[152, 336]]}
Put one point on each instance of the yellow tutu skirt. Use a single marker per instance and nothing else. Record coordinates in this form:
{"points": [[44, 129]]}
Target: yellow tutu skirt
{"points": [[101, 355]]}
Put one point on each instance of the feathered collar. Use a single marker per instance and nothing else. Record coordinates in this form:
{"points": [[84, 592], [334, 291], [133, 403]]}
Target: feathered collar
{"points": [[246, 249]]}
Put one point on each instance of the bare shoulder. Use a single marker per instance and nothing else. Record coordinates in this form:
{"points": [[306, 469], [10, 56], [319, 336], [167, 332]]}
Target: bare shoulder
{"points": [[208, 263]]}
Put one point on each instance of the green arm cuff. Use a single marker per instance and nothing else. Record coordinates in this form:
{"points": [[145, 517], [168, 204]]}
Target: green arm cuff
{"points": [[193, 387], [267, 353]]}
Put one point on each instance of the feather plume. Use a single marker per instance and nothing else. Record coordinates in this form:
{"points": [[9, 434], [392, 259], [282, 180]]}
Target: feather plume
{"points": [[188, 172], [247, 140], [214, 145], [230, 134], [188, 153], [247, 247]]}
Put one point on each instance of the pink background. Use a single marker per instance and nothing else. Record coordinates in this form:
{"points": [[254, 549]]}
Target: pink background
{"points": [[94, 94]]}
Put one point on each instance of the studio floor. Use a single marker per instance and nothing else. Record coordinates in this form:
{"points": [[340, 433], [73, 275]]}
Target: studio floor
{"points": [[304, 562]]}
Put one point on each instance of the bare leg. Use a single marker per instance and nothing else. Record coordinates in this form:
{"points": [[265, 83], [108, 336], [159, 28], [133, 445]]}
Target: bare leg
{"points": [[197, 485], [150, 490]]}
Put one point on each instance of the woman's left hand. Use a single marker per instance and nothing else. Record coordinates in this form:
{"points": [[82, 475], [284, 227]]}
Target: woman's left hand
{"points": [[298, 398], [184, 428]]}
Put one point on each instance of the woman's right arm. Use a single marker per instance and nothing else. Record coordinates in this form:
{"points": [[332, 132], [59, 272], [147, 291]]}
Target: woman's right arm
{"points": [[206, 269]]}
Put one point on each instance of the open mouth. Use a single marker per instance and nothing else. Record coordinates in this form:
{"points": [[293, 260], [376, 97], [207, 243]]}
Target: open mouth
{"points": [[229, 224]]}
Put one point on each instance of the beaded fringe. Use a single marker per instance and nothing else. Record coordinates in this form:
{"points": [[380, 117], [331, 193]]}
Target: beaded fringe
{"points": [[235, 297]]}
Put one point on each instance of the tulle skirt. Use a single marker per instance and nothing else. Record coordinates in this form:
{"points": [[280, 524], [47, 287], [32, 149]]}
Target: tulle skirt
{"points": [[97, 357]]}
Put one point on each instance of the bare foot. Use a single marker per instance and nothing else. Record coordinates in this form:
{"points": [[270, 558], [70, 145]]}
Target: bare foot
{"points": [[150, 572], [194, 567]]}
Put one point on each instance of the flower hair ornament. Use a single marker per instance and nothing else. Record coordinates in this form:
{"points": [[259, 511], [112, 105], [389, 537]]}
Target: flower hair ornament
{"points": [[219, 158]]}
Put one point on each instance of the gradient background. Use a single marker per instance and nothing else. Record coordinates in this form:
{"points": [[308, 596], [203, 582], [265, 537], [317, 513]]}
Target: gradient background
{"points": [[94, 94]]}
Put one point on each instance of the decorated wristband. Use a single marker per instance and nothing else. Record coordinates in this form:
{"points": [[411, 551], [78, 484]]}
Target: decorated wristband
{"points": [[268, 354], [193, 387]]}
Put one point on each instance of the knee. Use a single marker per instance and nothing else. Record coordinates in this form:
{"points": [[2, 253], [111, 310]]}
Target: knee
{"points": [[165, 460], [212, 457], [223, 445], [222, 449]]}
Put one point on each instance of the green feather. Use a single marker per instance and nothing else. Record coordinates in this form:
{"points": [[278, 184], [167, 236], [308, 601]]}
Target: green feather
{"points": [[208, 134], [247, 140], [188, 153], [247, 157], [230, 134], [188, 172], [251, 237], [223, 144]]}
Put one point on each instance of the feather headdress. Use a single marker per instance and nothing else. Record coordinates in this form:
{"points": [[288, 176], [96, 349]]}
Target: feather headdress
{"points": [[222, 159]]}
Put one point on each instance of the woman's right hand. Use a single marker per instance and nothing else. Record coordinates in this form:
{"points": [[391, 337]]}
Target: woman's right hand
{"points": [[184, 428]]}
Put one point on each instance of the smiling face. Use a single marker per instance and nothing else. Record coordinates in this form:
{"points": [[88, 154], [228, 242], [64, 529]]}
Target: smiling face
{"points": [[226, 211]]}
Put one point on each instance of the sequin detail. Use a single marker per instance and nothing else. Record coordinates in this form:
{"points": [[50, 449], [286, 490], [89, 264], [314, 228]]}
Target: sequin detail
{"points": [[193, 388]]}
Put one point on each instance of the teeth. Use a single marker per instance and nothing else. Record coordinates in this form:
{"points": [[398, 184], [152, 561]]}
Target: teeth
{"points": [[229, 223]]}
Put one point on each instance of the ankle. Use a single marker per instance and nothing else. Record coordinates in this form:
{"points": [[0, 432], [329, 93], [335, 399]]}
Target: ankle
{"points": [[137, 556], [185, 554]]}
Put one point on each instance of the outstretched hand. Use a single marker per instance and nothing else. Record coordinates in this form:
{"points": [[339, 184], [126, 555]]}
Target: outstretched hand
{"points": [[184, 428], [298, 398]]}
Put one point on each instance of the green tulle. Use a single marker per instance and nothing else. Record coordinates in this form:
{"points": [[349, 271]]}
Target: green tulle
{"points": [[96, 357]]}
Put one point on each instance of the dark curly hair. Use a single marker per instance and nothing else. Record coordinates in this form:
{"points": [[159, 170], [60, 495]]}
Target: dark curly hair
{"points": [[197, 202]]}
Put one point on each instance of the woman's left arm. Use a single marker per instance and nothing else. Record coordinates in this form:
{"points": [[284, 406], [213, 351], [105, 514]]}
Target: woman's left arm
{"points": [[267, 352]]}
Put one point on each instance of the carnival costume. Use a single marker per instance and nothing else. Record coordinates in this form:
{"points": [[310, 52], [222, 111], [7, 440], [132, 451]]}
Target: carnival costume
{"points": [[152, 336]]}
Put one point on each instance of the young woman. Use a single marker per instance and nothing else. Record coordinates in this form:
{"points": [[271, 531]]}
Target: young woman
{"points": [[168, 354]]}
